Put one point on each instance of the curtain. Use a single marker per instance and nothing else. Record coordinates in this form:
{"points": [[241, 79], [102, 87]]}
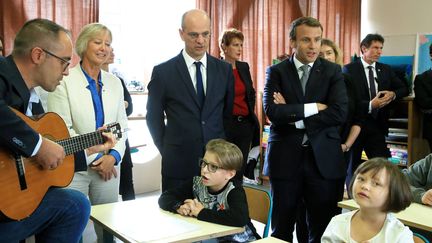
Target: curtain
{"points": [[71, 14], [265, 25]]}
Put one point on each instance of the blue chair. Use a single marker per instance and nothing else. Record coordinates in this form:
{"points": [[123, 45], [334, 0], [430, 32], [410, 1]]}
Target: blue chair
{"points": [[418, 238], [260, 205]]}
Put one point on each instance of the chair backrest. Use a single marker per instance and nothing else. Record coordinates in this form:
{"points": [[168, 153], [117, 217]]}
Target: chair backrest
{"points": [[418, 238], [259, 205]]}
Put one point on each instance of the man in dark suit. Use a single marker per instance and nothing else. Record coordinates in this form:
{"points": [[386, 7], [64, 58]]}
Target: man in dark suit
{"points": [[195, 92], [423, 98], [40, 57], [304, 154], [378, 87]]}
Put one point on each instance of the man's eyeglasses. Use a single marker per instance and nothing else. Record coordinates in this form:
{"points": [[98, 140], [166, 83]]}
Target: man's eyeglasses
{"points": [[210, 167], [65, 62], [195, 35]]}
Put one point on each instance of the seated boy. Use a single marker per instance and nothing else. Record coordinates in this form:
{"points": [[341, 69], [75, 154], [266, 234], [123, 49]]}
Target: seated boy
{"points": [[214, 196], [420, 178]]}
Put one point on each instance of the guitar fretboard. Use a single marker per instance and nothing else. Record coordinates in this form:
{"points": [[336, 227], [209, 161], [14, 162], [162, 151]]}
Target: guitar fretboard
{"points": [[79, 143]]}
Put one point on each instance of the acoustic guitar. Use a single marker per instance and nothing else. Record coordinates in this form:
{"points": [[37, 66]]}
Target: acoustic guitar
{"points": [[23, 182]]}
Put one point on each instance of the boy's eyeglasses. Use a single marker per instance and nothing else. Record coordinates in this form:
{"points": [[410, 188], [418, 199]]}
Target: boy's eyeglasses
{"points": [[65, 62], [210, 167]]}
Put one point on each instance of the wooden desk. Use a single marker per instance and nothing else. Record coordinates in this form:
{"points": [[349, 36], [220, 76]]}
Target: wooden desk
{"points": [[141, 220], [270, 240], [416, 215]]}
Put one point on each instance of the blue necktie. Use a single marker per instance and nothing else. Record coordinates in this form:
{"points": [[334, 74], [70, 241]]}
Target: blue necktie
{"points": [[199, 84]]}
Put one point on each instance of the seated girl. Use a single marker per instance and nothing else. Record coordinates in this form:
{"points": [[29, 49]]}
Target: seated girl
{"points": [[380, 189]]}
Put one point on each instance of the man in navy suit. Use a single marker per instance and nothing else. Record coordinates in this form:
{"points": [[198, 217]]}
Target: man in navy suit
{"points": [[304, 155], [195, 92], [378, 86], [423, 98]]}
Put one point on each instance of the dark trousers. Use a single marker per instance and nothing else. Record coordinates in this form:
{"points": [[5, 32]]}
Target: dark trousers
{"points": [[239, 131], [126, 187], [301, 227], [320, 196], [372, 140]]}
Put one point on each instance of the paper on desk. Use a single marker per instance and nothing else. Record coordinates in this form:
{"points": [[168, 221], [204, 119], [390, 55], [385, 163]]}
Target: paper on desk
{"points": [[158, 228]]}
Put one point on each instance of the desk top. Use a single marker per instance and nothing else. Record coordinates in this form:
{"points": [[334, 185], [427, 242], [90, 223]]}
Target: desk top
{"points": [[416, 215], [270, 240], [142, 220]]}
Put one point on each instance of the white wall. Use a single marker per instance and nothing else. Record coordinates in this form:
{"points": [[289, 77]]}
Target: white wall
{"points": [[398, 21]]}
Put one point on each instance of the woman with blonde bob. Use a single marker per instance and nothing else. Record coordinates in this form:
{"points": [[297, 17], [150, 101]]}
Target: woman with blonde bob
{"points": [[88, 99]]}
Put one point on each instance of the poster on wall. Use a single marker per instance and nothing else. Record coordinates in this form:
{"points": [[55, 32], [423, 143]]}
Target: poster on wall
{"points": [[423, 58]]}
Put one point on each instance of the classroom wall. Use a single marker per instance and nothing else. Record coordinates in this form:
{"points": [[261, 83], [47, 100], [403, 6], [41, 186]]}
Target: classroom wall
{"points": [[398, 21]]}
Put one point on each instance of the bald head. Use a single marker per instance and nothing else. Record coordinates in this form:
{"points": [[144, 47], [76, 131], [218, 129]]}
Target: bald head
{"points": [[194, 15], [195, 32]]}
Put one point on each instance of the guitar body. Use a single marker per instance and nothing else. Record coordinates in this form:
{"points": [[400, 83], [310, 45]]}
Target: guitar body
{"points": [[18, 202]]}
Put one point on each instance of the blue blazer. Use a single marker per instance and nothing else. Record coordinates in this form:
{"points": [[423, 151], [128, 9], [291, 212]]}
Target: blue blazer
{"points": [[182, 139], [325, 85]]}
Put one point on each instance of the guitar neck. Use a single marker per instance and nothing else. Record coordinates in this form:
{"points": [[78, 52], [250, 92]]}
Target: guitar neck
{"points": [[81, 142]]}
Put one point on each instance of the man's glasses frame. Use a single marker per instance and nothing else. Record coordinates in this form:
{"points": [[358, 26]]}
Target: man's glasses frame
{"points": [[210, 167], [64, 61]]}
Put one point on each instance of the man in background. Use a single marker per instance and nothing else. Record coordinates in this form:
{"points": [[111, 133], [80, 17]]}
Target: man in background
{"points": [[304, 155], [195, 92], [378, 87], [423, 98]]}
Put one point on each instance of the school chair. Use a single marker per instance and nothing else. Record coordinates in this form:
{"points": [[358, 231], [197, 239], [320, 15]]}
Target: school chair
{"points": [[418, 238], [260, 205]]}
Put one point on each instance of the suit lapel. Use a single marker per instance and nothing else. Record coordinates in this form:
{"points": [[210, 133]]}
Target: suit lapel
{"points": [[364, 83], [211, 76], [295, 85], [21, 87], [185, 77], [380, 77], [314, 78]]}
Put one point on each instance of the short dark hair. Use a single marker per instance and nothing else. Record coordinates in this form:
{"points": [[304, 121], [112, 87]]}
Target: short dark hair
{"points": [[37, 32], [430, 49], [309, 21], [400, 196], [367, 41], [229, 155]]}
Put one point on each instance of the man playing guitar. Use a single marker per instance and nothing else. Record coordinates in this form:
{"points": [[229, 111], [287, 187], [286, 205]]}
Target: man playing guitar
{"points": [[40, 57]]}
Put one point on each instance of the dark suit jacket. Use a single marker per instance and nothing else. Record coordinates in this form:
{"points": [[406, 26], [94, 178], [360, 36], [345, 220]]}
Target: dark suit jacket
{"points": [[181, 141], [355, 115], [386, 79], [325, 85], [15, 134], [423, 98], [243, 70]]}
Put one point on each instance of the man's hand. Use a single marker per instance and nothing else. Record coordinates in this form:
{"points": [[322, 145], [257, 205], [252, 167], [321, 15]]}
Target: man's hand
{"points": [[427, 198], [382, 99], [321, 107], [278, 99], [105, 167], [50, 154], [195, 206], [110, 142]]}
